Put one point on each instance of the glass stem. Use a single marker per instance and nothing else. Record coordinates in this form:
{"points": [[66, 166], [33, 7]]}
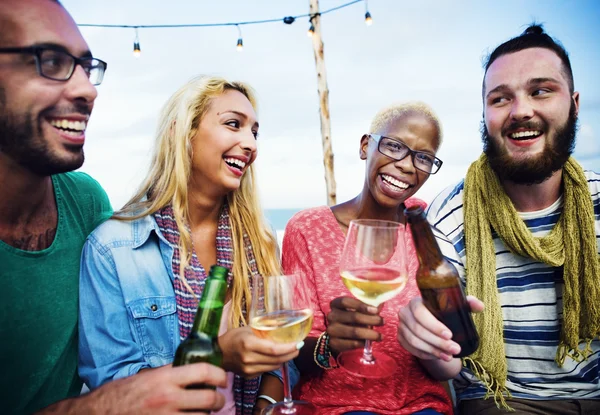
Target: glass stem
{"points": [[287, 389], [368, 352]]}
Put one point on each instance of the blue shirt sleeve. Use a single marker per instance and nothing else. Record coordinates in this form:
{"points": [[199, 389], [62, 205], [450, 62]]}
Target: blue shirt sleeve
{"points": [[294, 374]]}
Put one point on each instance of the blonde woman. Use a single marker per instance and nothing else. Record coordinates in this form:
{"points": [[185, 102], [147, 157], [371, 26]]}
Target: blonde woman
{"points": [[143, 271]]}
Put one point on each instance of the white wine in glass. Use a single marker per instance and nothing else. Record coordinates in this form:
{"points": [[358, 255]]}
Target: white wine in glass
{"points": [[373, 267], [286, 326], [281, 312]]}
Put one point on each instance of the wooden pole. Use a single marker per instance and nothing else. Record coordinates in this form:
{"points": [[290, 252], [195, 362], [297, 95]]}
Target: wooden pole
{"points": [[323, 102]]}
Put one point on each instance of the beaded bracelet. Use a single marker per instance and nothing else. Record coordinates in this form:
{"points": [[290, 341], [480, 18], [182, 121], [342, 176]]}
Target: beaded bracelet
{"points": [[322, 353]]}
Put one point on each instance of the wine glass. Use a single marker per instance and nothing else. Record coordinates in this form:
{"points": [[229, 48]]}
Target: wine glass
{"points": [[373, 267], [281, 312]]}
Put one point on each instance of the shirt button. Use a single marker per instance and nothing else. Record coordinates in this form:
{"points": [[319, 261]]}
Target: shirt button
{"points": [[153, 307]]}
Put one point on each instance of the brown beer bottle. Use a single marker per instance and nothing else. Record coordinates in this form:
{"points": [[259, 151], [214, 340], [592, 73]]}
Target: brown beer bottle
{"points": [[440, 285]]}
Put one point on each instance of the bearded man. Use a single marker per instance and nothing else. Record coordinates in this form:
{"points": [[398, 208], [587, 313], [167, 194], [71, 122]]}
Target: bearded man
{"points": [[523, 229]]}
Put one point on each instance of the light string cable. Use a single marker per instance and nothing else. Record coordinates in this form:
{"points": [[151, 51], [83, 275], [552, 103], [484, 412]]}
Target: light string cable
{"points": [[286, 20]]}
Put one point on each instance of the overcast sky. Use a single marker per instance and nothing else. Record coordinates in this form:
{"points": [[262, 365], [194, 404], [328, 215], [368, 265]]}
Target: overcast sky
{"points": [[415, 50]]}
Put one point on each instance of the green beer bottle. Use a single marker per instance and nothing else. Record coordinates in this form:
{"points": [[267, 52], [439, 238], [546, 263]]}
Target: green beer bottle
{"points": [[201, 345]]}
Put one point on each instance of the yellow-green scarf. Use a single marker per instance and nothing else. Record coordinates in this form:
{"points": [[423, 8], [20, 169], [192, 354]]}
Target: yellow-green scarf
{"points": [[571, 244]]}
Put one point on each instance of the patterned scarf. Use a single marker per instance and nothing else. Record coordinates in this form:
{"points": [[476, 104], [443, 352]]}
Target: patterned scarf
{"points": [[245, 390], [571, 244]]}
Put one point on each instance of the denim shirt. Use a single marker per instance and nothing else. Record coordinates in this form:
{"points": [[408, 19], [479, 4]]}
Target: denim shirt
{"points": [[127, 310]]}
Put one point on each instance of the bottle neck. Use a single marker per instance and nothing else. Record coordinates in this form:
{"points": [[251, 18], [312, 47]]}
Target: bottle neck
{"points": [[210, 308], [428, 250]]}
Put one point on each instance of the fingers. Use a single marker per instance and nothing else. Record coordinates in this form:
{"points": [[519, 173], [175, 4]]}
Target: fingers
{"points": [[167, 388], [256, 358], [476, 305], [352, 312], [340, 331], [423, 335], [201, 401], [353, 318], [340, 345], [248, 355], [349, 303], [199, 373], [269, 348], [349, 323]]}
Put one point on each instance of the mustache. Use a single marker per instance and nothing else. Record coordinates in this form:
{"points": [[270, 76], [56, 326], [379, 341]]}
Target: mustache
{"points": [[526, 125], [76, 108]]}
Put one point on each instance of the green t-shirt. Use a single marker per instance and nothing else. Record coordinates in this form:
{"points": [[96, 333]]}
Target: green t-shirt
{"points": [[39, 294]]}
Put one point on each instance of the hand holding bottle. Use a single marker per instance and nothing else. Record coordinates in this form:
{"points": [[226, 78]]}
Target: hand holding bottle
{"points": [[164, 390], [248, 355], [426, 337]]}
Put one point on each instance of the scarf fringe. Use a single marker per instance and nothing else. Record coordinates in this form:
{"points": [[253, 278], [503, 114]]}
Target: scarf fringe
{"points": [[495, 387], [578, 353]]}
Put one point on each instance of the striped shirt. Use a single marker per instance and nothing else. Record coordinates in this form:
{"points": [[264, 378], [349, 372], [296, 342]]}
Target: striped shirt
{"points": [[531, 300]]}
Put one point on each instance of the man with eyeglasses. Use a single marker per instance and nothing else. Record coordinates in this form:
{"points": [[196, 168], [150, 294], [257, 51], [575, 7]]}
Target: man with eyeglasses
{"points": [[47, 92], [523, 229]]}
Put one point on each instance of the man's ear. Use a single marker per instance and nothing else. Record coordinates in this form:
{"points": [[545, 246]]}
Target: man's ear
{"points": [[364, 146], [576, 102]]}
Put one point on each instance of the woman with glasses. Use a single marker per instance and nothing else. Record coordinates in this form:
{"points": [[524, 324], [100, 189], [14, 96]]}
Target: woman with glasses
{"points": [[400, 156], [143, 271]]}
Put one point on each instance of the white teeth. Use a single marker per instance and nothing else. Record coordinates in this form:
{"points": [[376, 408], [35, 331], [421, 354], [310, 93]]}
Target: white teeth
{"points": [[523, 134], [70, 125], [394, 182], [237, 162]]}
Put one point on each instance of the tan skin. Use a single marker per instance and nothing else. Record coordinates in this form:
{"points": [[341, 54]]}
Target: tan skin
{"points": [[28, 213], [349, 320]]}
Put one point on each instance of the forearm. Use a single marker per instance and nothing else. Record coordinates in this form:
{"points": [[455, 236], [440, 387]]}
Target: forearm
{"points": [[84, 404], [305, 362], [271, 386], [440, 369]]}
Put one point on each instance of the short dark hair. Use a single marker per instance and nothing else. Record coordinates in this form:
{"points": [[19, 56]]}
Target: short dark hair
{"points": [[533, 37]]}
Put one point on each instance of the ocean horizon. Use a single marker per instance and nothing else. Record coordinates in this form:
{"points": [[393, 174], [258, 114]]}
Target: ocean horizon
{"points": [[278, 218]]}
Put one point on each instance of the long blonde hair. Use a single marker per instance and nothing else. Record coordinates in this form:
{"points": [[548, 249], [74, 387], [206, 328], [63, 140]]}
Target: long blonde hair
{"points": [[169, 176]]}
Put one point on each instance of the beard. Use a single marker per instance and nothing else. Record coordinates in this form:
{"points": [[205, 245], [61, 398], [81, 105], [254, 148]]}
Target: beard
{"points": [[535, 169], [22, 140]]}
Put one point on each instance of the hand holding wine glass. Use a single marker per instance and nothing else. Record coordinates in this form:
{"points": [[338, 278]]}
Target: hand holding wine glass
{"points": [[350, 322], [373, 267], [281, 313]]}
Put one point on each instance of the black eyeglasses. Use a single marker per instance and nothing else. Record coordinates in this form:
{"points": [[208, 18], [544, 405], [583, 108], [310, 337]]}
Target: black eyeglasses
{"points": [[59, 65], [397, 150]]}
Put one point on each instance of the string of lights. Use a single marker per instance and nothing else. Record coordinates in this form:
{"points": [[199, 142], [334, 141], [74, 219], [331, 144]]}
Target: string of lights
{"points": [[240, 42]]}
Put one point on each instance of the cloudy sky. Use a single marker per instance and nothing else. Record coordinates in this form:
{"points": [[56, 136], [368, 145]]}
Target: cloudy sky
{"points": [[426, 50]]}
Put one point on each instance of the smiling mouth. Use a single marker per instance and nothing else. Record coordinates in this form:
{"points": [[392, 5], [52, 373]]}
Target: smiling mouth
{"points": [[394, 182], [525, 135], [69, 127], [235, 163]]}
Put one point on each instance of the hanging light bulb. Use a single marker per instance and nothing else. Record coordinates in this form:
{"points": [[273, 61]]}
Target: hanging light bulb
{"points": [[368, 18], [311, 29], [240, 42], [137, 51]]}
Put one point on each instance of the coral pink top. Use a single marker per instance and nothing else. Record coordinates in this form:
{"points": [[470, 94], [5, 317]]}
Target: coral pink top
{"points": [[312, 245]]}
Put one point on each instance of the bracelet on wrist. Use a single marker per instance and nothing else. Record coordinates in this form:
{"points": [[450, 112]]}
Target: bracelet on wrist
{"points": [[322, 353], [266, 398]]}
